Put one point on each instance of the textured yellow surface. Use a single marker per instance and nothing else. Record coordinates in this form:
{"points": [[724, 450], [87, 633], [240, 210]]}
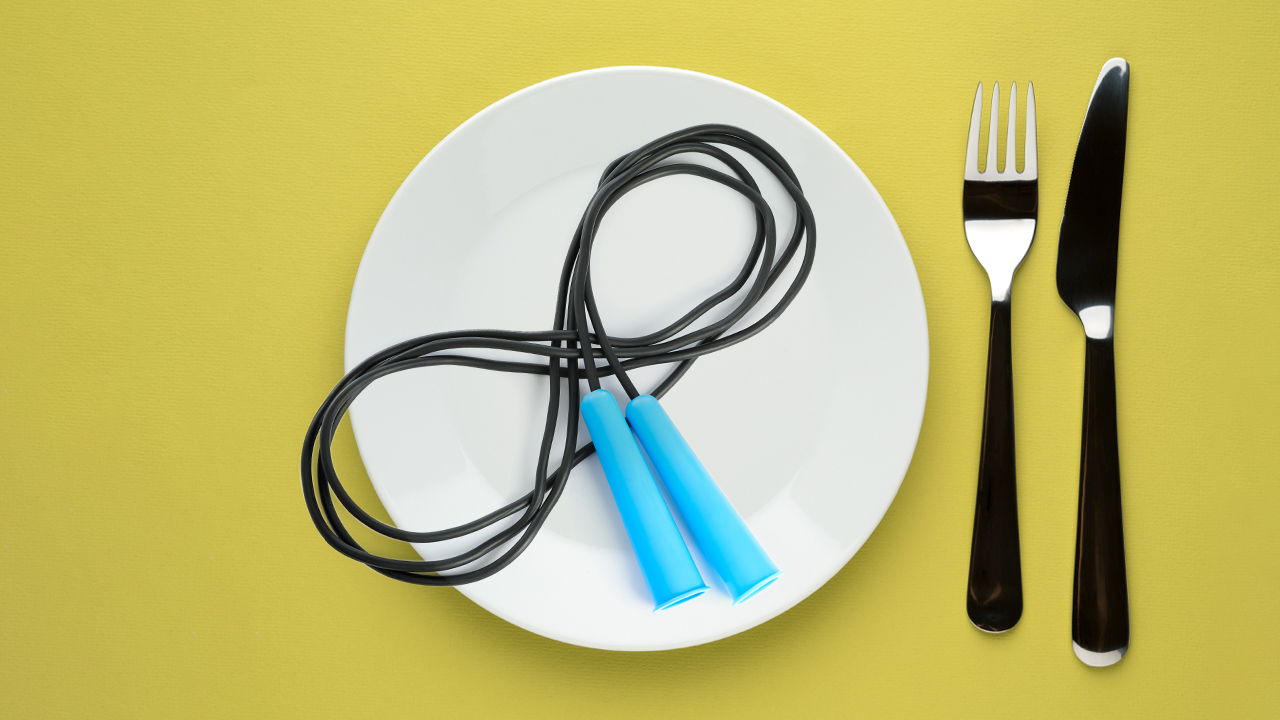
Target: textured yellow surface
{"points": [[185, 193]]}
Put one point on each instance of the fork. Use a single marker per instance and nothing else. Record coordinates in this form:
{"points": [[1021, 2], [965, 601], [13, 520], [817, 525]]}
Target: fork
{"points": [[999, 223]]}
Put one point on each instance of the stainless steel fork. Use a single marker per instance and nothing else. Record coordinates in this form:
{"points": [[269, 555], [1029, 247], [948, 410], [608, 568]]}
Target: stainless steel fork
{"points": [[999, 222]]}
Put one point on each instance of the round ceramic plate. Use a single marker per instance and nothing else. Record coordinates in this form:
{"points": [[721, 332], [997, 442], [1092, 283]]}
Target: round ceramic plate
{"points": [[808, 427]]}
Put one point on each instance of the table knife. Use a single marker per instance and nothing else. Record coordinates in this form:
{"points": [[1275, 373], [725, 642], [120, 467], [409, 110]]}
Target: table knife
{"points": [[1087, 249]]}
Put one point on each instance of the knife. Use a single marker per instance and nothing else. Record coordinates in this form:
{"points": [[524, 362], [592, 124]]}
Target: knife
{"points": [[1087, 247]]}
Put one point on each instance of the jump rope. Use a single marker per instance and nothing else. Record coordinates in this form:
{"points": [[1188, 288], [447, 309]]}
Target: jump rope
{"points": [[572, 351]]}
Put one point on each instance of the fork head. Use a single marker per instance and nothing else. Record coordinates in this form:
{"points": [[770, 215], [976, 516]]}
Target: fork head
{"points": [[1000, 206]]}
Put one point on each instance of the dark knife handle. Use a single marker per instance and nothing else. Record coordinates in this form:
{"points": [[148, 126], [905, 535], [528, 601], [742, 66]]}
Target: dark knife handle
{"points": [[1100, 607], [995, 569]]}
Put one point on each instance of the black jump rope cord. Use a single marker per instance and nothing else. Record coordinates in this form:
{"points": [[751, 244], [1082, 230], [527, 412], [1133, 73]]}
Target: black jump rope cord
{"points": [[571, 351]]}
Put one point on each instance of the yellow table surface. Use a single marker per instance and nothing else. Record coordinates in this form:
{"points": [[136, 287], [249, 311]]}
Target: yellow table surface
{"points": [[186, 192]]}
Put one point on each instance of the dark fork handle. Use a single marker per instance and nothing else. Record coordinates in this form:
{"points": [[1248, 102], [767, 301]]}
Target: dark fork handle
{"points": [[995, 569], [1100, 607]]}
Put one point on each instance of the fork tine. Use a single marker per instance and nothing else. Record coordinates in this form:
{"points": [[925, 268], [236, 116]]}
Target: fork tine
{"points": [[993, 137], [1010, 149], [1029, 165], [975, 126]]}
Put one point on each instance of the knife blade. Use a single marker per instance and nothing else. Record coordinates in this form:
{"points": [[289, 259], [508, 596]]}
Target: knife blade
{"points": [[1088, 245]]}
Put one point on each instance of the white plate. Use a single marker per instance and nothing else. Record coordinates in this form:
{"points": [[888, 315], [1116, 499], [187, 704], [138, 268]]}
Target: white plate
{"points": [[808, 427]]}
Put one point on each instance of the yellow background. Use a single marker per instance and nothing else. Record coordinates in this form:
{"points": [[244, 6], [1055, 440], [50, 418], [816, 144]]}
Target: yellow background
{"points": [[185, 194]]}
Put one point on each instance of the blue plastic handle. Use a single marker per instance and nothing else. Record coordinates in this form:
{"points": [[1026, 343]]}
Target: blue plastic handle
{"points": [[664, 558], [719, 531]]}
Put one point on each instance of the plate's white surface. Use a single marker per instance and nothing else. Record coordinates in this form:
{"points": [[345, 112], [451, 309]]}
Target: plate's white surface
{"points": [[808, 427]]}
